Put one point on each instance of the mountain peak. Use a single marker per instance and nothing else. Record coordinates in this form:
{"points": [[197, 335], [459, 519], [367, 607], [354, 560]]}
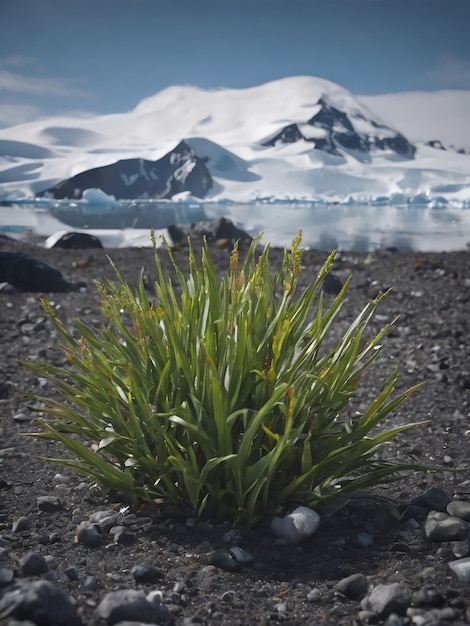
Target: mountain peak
{"points": [[299, 137]]}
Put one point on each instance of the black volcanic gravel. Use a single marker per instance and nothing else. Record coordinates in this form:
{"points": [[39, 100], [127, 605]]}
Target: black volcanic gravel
{"points": [[62, 564]]}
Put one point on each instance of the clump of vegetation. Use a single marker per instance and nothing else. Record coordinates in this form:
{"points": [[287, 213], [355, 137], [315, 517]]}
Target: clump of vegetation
{"points": [[222, 394]]}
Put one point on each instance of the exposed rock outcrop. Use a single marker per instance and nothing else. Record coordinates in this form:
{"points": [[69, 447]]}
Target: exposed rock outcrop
{"points": [[334, 131], [179, 170]]}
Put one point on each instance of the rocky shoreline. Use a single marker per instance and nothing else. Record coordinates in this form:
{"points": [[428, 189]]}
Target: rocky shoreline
{"points": [[69, 555]]}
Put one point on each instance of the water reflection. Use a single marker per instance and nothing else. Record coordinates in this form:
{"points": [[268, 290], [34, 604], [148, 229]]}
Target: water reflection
{"points": [[356, 227], [346, 227]]}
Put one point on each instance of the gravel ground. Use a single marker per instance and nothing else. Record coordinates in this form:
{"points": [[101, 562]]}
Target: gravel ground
{"points": [[156, 565]]}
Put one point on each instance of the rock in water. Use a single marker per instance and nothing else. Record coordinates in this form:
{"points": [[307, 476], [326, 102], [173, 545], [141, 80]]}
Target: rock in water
{"points": [[25, 273], [73, 241]]}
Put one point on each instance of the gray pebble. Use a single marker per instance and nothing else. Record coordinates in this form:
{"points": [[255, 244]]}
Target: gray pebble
{"points": [[130, 604], [6, 576], [225, 560], [242, 556], [21, 524], [98, 516], [460, 569], [442, 527], [460, 548], [89, 535], [91, 583], [72, 573], [22, 417], [106, 522], [228, 596], [353, 587], [368, 617], [435, 499], [460, 509], [432, 617], [232, 537], [314, 595], [40, 601], [387, 599], [122, 536], [49, 504], [33, 564], [146, 573], [428, 596]]}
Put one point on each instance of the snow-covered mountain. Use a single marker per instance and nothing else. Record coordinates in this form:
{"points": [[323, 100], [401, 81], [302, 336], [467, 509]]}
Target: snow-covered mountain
{"points": [[298, 138]]}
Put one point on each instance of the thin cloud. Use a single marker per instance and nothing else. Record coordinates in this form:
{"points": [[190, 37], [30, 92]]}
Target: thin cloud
{"points": [[12, 114], [13, 80], [31, 85], [16, 60], [451, 71]]}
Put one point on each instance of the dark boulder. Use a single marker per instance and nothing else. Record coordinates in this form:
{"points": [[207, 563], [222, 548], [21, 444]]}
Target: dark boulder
{"points": [[25, 273], [76, 241], [217, 231]]}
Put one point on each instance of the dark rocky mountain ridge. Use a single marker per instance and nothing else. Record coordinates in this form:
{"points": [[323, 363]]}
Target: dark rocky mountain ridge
{"points": [[179, 170], [340, 134]]}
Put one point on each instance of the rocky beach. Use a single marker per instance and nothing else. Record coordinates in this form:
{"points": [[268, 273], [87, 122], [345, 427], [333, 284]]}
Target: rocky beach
{"points": [[70, 555]]}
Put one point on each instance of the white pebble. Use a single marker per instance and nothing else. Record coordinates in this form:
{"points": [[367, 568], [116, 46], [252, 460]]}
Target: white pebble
{"points": [[297, 526]]}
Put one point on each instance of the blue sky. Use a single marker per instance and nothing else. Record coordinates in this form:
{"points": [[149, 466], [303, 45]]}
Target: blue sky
{"points": [[104, 56]]}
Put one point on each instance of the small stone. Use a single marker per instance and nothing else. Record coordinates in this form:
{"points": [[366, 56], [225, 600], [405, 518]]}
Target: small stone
{"points": [[228, 596], [146, 573], [428, 596], [21, 524], [49, 504], [41, 602], [442, 527], [368, 617], [225, 560], [122, 536], [414, 512], [106, 522], [353, 587], [33, 564], [89, 535], [61, 479], [297, 526], [460, 509], [132, 605], [72, 573], [242, 556], [6, 576], [460, 548], [460, 569], [387, 599], [22, 417], [314, 595], [436, 499], [232, 537], [91, 583]]}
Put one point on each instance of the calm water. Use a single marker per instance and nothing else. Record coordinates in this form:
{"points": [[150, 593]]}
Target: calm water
{"points": [[351, 227]]}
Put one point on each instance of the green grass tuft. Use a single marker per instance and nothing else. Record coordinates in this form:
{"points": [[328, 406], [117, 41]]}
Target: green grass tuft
{"points": [[222, 394]]}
